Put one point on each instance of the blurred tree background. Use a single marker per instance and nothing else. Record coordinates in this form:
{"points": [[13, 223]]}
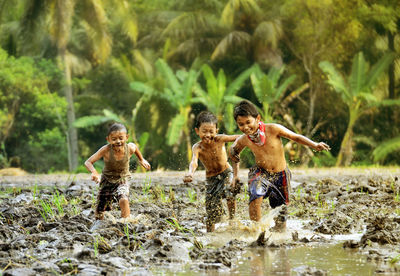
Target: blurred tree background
{"points": [[327, 69]]}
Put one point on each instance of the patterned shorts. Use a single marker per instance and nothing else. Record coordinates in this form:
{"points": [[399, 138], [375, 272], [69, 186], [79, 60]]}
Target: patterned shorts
{"points": [[274, 186], [111, 192], [217, 189]]}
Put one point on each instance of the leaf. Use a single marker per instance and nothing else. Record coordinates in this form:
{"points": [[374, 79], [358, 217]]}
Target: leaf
{"points": [[175, 129], [386, 148], [87, 121], [142, 87], [358, 74], [143, 140], [378, 69], [239, 81], [113, 116], [169, 75], [335, 79]]}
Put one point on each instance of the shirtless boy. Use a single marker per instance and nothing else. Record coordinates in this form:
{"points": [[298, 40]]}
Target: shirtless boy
{"points": [[219, 175], [270, 177], [113, 180]]}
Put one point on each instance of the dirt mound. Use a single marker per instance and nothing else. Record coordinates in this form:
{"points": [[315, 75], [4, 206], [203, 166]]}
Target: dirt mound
{"points": [[12, 172]]}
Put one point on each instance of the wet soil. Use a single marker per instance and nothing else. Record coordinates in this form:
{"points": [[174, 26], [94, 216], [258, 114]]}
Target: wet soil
{"points": [[47, 224]]}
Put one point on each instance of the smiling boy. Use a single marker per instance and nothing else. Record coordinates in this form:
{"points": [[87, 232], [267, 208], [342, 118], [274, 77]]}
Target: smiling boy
{"points": [[270, 177], [113, 180], [219, 175]]}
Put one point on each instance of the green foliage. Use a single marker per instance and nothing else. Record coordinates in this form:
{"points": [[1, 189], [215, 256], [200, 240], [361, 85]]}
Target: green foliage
{"points": [[40, 142], [221, 93], [269, 89], [386, 148], [357, 93]]}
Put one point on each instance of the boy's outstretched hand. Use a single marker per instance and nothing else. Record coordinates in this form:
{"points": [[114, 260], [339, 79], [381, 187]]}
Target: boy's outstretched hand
{"points": [[96, 177], [322, 146], [145, 164]]}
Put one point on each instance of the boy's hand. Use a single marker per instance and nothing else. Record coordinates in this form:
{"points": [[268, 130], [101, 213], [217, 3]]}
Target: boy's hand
{"points": [[236, 186], [188, 178], [145, 164], [96, 177], [322, 146]]}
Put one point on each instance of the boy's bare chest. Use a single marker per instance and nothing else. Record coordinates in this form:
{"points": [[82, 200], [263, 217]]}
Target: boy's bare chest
{"points": [[212, 153], [272, 145]]}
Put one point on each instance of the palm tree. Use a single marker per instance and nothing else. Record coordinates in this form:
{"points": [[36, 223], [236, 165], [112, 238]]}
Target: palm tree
{"points": [[64, 22], [220, 96], [357, 93], [251, 30]]}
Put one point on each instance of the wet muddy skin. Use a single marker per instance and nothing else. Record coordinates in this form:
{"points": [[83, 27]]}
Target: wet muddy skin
{"points": [[47, 225]]}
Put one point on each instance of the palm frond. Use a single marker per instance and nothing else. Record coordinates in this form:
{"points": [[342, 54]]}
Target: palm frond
{"points": [[87, 121], [358, 74], [386, 148], [378, 69], [234, 40], [336, 80], [174, 130]]}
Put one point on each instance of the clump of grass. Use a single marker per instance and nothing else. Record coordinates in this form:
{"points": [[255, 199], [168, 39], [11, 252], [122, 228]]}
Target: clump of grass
{"points": [[146, 186], [192, 195]]}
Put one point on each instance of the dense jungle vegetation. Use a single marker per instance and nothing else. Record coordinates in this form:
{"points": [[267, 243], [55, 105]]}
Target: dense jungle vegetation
{"points": [[327, 69]]}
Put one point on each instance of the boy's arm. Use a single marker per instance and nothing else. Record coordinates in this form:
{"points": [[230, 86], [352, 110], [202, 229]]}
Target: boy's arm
{"points": [[193, 164], [236, 148], [298, 138], [227, 138], [234, 155], [92, 159], [143, 162]]}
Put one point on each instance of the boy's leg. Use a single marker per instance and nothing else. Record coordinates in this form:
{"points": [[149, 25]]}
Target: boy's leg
{"points": [[231, 207], [123, 198], [210, 226], [124, 205], [255, 209]]}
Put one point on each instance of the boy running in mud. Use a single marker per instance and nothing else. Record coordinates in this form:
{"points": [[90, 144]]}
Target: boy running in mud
{"points": [[219, 175], [270, 177], [113, 180]]}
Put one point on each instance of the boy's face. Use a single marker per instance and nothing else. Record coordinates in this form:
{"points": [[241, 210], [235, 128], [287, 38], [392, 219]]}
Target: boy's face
{"points": [[117, 138], [207, 132], [248, 124]]}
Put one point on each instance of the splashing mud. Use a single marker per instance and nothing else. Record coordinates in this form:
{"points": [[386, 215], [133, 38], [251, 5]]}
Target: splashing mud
{"points": [[339, 221]]}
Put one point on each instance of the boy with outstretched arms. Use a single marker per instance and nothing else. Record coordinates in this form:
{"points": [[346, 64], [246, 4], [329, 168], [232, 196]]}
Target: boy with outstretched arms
{"points": [[219, 175], [270, 177], [113, 180]]}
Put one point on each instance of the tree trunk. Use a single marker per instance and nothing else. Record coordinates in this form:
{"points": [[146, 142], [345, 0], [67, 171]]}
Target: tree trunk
{"points": [[391, 85], [72, 134], [346, 148]]}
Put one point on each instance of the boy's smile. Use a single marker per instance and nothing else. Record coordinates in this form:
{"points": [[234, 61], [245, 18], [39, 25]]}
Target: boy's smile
{"points": [[207, 132], [117, 138], [248, 124]]}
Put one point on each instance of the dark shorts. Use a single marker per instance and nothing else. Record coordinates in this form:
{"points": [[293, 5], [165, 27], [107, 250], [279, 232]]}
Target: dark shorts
{"points": [[217, 188], [264, 184], [111, 192]]}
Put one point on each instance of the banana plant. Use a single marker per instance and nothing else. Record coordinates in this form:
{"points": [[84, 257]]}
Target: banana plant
{"points": [[358, 94], [270, 89], [221, 96]]}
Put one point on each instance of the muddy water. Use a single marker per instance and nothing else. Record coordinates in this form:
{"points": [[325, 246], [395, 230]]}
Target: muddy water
{"points": [[341, 222]]}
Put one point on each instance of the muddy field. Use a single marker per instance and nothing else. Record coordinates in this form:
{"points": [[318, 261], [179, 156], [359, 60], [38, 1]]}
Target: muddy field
{"points": [[47, 226]]}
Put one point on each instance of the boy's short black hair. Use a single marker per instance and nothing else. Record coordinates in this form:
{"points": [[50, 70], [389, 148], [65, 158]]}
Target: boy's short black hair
{"points": [[206, 117], [116, 127], [245, 108]]}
